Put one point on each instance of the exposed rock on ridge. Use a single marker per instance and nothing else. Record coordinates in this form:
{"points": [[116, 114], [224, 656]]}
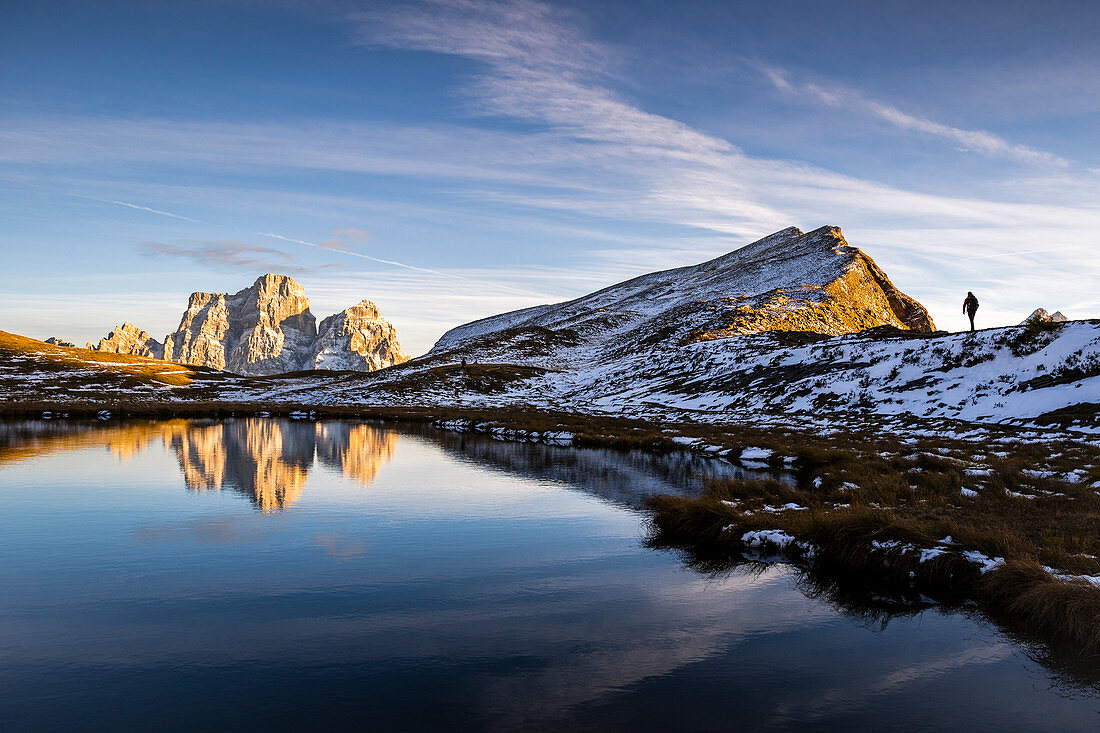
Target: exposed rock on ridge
{"points": [[129, 339], [268, 329], [788, 281], [358, 338]]}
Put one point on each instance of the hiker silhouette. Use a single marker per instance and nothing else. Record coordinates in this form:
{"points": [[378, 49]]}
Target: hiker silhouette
{"points": [[970, 307]]}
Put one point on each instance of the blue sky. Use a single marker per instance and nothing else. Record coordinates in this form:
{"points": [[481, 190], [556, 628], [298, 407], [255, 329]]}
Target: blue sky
{"points": [[450, 160]]}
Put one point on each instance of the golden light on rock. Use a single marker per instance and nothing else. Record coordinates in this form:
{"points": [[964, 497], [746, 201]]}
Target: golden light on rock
{"points": [[267, 460]]}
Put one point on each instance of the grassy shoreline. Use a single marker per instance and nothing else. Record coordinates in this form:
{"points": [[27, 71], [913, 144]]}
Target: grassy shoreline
{"points": [[1021, 544]]}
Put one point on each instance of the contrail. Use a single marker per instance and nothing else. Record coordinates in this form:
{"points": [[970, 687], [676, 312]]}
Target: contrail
{"points": [[1022, 252], [142, 208]]}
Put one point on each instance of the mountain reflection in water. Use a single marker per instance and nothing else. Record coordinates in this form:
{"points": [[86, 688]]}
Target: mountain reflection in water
{"points": [[621, 478], [266, 460], [269, 460]]}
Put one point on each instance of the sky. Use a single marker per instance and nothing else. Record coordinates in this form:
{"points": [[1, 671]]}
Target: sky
{"points": [[453, 159]]}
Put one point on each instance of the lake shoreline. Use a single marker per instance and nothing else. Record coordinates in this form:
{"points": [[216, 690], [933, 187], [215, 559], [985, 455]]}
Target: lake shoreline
{"points": [[942, 515]]}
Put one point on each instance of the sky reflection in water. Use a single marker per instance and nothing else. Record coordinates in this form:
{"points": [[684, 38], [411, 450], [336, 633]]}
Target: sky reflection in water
{"points": [[269, 574]]}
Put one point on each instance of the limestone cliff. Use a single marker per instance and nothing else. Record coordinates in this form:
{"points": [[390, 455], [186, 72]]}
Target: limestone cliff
{"points": [[264, 329], [268, 329], [129, 339], [55, 341], [358, 338]]}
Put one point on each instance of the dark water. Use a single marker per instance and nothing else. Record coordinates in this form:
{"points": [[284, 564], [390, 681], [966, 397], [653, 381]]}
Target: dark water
{"points": [[269, 574]]}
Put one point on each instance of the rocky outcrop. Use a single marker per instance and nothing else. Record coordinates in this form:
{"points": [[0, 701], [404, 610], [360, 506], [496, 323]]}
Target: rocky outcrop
{"points": [[129, 339], [264, 329], [358, 338], [55, 341], [268, 329], [1042, 316]]}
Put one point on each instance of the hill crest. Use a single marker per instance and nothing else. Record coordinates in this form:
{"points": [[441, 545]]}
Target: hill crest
{"points": [[788, 281]]}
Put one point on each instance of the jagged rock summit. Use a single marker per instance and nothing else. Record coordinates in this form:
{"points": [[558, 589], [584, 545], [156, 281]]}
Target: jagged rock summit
{"points": [[788, 281], [267, 329], [1041, 315], [129, 339], [357, 338], [264, 329]]}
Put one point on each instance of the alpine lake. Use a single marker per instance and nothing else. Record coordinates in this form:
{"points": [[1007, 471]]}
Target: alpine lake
{"points": [[270, 574]]}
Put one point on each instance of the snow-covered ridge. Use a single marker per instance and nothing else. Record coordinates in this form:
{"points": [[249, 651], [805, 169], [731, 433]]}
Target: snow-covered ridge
{"points": [[789, 281]]}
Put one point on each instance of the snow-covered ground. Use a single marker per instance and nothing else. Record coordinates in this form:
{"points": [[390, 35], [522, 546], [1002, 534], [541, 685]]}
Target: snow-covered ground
{"points": [[963, 381]]}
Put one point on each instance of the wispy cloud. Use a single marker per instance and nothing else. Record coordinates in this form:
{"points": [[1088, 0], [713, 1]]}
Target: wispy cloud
{"points": [[540, 67], [234, 253], [654, 168], [979, 141], [352, 234], [355, 235], [1024, 252], [229, 253], [395, 263]]}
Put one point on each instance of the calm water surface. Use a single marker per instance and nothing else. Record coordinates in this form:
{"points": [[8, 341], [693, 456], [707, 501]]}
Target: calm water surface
{"points": [[270, 574]]}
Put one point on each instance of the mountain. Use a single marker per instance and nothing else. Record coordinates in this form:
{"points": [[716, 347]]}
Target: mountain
{"points": [[1041, 315], [264, 329], [358, 338], [129, 339], [268, 329], [789, 281], [55, 341]]}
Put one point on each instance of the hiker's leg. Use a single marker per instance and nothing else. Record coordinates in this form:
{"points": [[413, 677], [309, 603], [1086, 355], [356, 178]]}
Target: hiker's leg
{"points": [[971, 314]]}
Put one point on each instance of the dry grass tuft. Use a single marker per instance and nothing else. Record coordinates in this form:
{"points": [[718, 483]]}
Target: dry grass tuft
{"points": [[1028, 597], [868, 517]]}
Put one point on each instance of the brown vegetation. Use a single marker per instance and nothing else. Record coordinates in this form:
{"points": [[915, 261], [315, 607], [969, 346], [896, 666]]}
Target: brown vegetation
{"points": [[876, 517], [125, 366]]}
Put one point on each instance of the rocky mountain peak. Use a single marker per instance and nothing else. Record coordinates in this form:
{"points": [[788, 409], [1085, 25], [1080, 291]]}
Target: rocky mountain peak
{"points": [[129, 339], [267, 328], [263, 329], [788, 281], [1043, 316], [357, 338], [277, 296]]}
